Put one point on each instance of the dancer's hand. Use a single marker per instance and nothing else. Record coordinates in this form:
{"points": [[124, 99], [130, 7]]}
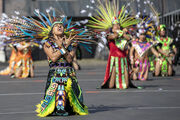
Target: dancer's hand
{"points": [[58, 41], [125, 30], [69, 40]]}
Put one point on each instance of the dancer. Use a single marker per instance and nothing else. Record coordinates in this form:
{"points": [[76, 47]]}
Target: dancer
{"points": [[24, 64], [62, 75], [10, 68], [139, 53], [164, 64], [117, 70]]}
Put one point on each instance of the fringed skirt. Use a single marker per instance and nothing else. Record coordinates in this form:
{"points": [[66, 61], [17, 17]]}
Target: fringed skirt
{"points": [[120, 63], [63, 95], [24, 61], [143, 67]]}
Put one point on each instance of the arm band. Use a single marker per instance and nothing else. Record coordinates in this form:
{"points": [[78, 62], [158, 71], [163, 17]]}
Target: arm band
{"points": [[63, 51]]}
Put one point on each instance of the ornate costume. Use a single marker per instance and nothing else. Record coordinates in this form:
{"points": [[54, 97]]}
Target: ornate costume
{"points": [[166, 45], [23, 61], [63, 95], [142, 64], [140, 50], [118, 58], [12, 62], [109, 14]]}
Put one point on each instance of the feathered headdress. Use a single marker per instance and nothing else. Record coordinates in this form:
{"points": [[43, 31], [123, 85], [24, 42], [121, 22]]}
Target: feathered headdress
{"points": [[147, 27], [149, 22], [30, 29], [161, 28], [109, 14]]}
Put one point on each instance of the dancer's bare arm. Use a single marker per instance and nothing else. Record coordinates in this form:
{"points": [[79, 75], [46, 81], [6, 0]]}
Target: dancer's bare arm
{"points": [[53, 54], [155, 52], [113, 36], [131, 55]]}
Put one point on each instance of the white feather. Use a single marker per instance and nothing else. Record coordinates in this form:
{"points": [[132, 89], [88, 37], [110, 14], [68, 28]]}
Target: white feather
{"points": [[17, 12], [90, 14], [37, 11], [83, 11], [87, 6], [47, 10], [92, 1]]}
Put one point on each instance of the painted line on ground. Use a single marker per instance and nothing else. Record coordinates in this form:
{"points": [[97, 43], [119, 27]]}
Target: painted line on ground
{"points": [[40, 81], [19, 94], [97, 92], [136, 91], [149, 108], [22, 81], [11, 113], [129, 108]]}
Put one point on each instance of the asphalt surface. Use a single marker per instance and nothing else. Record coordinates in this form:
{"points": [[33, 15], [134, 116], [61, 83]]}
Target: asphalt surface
{"points": [[159, 100]]}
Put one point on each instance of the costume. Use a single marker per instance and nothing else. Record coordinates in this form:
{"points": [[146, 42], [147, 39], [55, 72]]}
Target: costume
{"points": [[166, 45], [118, 58], [140, 50], [12, 58], [63, 94], [108, 14], [142, 64], [23, 60], [152, 62]]}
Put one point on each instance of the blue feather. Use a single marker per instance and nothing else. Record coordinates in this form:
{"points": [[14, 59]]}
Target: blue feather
{"points": [[28, 20], [69, 23], [82, 32], [86, 47], [54, 13], [80, 29], [46, 18], [64, 19], [42, 23], [149, 20], [28, 34]]}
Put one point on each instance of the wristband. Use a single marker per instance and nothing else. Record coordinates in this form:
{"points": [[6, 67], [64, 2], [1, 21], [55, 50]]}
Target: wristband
{"points": [[63, 51], [120, 32], [173, 46]]}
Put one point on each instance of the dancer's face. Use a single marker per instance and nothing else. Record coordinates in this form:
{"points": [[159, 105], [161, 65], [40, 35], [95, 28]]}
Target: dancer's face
{"points": [[115, 28], [58, 29], [162, 33], [142, 37]]}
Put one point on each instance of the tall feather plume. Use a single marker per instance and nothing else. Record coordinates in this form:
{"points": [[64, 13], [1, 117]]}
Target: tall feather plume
{"points": [[29, 29], [107, 11]]}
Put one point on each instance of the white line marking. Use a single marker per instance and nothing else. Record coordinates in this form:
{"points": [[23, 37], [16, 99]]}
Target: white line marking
{"points": [[18, 94], [40, 81], [96, 92], [148, 108], [9, 113], [23, 81], [131, 108], [140, 91]]}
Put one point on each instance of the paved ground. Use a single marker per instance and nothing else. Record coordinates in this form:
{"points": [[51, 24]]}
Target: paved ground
{"points": [[159, 100]]}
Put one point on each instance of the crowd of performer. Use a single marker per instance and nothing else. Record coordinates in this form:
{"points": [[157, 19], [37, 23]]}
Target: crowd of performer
{"points": [[136, 47]]}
